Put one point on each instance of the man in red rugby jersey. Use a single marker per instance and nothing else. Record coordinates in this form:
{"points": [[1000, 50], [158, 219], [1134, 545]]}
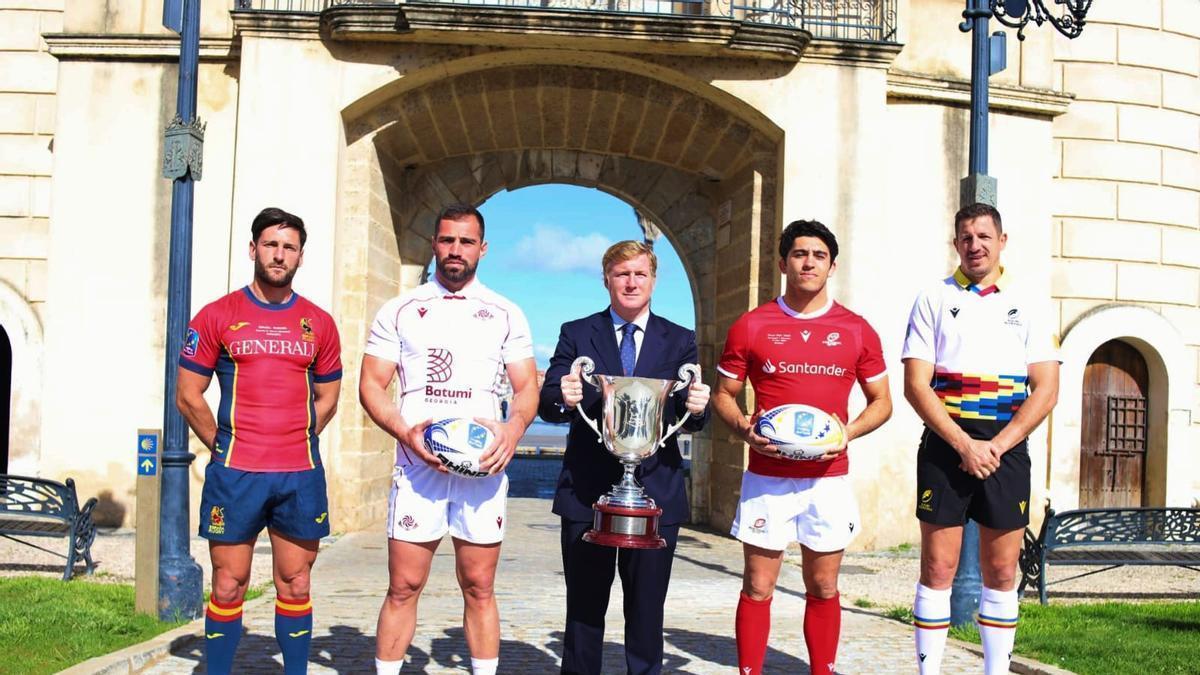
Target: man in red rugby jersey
{"points": [[801, 347], [277, 358]]}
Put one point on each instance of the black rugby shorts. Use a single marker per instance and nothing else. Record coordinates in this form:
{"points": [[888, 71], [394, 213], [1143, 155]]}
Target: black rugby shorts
{"points": [[947, 495]]}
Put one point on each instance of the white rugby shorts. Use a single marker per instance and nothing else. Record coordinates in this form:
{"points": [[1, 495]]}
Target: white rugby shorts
{"points": [[425, 503], [819, 513]]}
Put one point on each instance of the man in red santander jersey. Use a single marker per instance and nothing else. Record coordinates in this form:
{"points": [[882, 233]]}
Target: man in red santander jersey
{"points": [[805, 348], [277, 358]]}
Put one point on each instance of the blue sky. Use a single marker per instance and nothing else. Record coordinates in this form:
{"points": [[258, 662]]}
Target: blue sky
{"points": [[544, 248]]}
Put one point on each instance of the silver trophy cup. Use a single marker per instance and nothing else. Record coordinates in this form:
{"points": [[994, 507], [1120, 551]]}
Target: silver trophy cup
{"points": [[631, 428]]}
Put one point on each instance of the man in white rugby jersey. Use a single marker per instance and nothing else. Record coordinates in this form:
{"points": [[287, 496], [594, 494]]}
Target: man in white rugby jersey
{"points": [[448, 341]]}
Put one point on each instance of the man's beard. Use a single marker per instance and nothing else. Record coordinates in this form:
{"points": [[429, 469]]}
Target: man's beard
{"points": [[263, 276], [465, 273]]}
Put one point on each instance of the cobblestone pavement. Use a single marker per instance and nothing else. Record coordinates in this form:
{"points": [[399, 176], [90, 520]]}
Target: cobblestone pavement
{"points": [[351, 576]]}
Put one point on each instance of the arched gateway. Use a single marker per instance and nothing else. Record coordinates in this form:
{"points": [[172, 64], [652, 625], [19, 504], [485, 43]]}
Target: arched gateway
{"points": [[702, 166]]}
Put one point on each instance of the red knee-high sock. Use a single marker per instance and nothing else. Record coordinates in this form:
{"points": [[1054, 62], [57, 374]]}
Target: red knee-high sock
{"points": [[753, 627], [822, 628]]}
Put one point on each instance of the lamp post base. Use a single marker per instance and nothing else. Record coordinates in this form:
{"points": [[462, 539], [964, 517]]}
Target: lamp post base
{"points": [[180, 590]]}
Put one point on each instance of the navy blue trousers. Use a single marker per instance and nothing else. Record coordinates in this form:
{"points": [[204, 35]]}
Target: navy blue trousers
{"points": [[589, 571]]}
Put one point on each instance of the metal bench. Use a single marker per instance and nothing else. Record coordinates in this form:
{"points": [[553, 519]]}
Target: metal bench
{"points": [[1111, 538], [37, 507]]}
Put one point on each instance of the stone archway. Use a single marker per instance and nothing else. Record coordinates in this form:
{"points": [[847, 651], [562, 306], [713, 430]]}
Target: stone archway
{"points": [[24, 333], [1161, 346], [697, 167]]}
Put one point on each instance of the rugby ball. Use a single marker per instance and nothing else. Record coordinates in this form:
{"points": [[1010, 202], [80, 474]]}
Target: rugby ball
{"points": [[459, 443], [800, 431]]}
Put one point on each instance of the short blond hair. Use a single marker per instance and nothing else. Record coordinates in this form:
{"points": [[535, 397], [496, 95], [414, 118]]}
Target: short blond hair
{"points": [[628, 250]]}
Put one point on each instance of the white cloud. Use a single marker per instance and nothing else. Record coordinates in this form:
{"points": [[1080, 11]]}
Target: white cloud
{"points": [[543, 352], [556, 249]]}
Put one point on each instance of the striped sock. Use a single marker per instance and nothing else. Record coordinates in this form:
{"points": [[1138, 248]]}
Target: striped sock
{"points": [[222, 631], [931, 617], [997, 621], [293, 632]]}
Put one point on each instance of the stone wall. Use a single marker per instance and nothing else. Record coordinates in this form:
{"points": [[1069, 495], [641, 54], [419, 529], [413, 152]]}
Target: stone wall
{"points": [[28, 80], [1127, 191]]}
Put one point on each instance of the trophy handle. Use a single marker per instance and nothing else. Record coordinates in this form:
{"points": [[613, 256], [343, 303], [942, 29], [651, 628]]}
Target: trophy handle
{"points": [[584, 366], [688, 373]]}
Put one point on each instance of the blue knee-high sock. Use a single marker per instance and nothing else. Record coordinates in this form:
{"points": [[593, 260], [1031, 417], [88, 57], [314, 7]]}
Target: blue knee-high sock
{"points": [[293, 632], [222, 631]]}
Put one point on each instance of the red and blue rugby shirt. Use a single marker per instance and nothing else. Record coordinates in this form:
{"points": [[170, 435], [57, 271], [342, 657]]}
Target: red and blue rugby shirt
{"points": [[267, 359]]}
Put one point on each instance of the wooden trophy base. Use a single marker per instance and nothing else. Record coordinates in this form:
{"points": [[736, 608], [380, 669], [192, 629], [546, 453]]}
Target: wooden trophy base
{"points": [[625, 527]]}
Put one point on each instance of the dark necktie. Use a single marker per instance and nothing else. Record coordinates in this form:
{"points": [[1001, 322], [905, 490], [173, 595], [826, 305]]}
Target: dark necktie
{"points": [[628, 348]]}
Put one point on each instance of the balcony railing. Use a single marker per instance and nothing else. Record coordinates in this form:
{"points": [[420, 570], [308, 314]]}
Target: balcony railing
{"points": [[850, 20]]}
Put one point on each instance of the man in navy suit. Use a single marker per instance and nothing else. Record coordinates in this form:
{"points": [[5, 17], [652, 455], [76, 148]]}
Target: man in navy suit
{"points": [[623, 339]]}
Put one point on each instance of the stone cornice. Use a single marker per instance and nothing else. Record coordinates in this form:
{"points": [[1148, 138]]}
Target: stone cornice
{"points": [[844, 52], [119, 47], [549, 28], [294, 25], [955, 91]]}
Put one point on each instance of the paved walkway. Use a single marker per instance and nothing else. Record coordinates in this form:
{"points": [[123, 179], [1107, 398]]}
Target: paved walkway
{"points": [[351, 576]]}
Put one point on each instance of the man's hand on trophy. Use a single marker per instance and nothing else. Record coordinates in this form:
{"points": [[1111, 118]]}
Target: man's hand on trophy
{"points": [[504, 446], [697, 397], [759, 444], [414, 438], [571, 385]]}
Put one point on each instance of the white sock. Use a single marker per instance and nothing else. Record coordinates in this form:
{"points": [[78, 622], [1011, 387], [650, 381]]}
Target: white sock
{"points": [[931, 616], [997, 621], [388, 667], [484, 666]]}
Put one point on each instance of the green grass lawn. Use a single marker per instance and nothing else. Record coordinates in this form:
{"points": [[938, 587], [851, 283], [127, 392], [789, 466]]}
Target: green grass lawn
{"points": [[47, 624], [1109, 637]]}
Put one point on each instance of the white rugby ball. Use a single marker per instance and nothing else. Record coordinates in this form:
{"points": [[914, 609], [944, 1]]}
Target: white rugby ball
{"points": [[800, 431], [459, 443]]}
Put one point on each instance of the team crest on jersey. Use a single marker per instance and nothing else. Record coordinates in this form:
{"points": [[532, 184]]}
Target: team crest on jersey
{"points": [[306, 330], [833, 339], [216, 520], [483, 314]]}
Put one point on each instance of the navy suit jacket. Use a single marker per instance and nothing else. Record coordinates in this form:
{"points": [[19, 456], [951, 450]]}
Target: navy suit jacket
{"points": [[589, 470]]}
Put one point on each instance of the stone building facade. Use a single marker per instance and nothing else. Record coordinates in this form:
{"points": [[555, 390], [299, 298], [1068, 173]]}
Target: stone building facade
{"points": [[365, 119]]}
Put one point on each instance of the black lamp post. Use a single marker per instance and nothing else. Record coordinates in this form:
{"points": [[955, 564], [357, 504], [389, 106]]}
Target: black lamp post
{"points": [[987, 58], [179, 576]]}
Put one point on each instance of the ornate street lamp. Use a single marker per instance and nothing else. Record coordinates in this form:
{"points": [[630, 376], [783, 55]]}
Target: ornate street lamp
{"points": [[988, 58], [1018, 13]]}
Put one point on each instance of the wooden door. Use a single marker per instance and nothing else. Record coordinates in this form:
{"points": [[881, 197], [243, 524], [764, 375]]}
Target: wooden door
{"points": [[1112, 462]]}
